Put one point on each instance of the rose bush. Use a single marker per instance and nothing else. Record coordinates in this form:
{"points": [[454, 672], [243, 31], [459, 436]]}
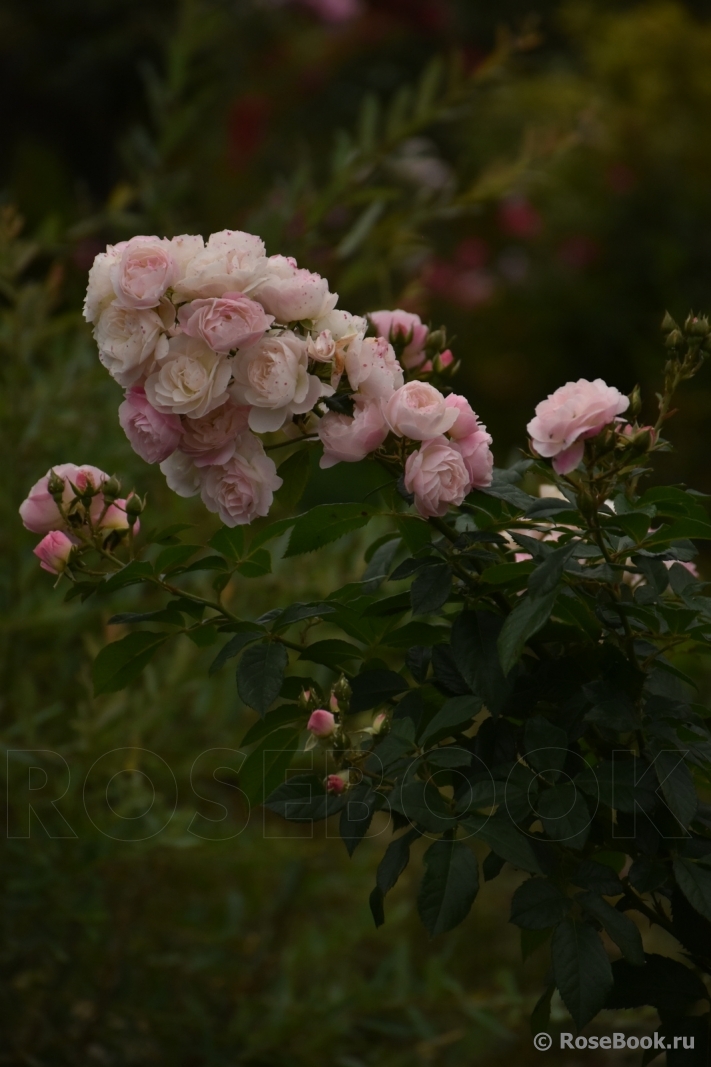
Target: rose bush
{"points": [[521, 685]]}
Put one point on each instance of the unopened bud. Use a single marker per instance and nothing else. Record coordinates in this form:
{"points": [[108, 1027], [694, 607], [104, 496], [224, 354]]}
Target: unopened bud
{"points": [[641, 438], [635, 402], [668, 323], [306, 700], [380, 724], [700, 326], [342, 693], [134, 507], [436, 340], [337, 783], [55, 487], [675, 339], [111, 489]]}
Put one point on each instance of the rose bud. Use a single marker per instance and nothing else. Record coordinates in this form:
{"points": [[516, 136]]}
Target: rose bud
{"points": [[337, 783], [380, 722], [321, 723], [54, 551]]}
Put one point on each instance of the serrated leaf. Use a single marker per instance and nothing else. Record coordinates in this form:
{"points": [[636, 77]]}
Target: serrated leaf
{"points": [[229, 540], [474, 645], [299, 613], [618, 926], [565, 815], [265, 767], [504, 839], [537, 904], [677, 785], [332, 653], [294, 472], [430, 589], [361, 803], [695, 883], [665, 984], [133, 573], [324, 524], [423, 804], [233, 648], [276, 718], [528, 617], [581, 970], [122, 661], [303, 799], [375, 687], [449, 886], [260, 675], [174, 556], [455, 714]]}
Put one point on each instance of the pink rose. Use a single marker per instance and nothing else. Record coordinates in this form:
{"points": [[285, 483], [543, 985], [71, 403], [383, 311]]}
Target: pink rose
{"points": [[154, 435], [54, 551], [569, 416], [438, 477], [475, 450], [190, 380], [445, 359], [211, 440], [321, 723], [181, 474], [99, 290], [466, 422], [348, 440], [244, 487], [336, 783], [225, 322], [231, 262], [39, 512], [129, 341], [419, 411], [399, 325], [145, 269], [291, 294], [372, 367], [272, 378], [321, 348]]}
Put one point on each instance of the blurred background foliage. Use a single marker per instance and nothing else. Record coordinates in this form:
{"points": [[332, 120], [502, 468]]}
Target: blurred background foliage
{"points": [[533, 175]]}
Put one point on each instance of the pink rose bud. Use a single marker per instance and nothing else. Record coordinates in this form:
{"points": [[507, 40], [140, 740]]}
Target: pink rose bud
{"points": [[154, 435], [419, 411], [54, 551], [570, 415], [321, 723], [445, 359], [117, 519], [39, 513], [466, 422], [333, 702], [336, 784], [379, 722], [398, 325]]}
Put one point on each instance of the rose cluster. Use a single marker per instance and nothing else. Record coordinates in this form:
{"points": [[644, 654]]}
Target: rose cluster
{"points": [[216, 343], [74, 507]]}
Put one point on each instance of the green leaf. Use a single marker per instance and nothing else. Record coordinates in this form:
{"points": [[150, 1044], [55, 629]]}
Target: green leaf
{"points": [[167, 535], [129, 618], [260, 675], [299, 613], [565, 815], [504, 839], [131, 574], [677, 785], [456, 713], [264, 768], [120, 662], [599, 878], [665, 984], [375, 687], [208, 563], [416, 533], [423, 804], [278, 717], [527, 618], [174, 556], [537, 904], [547, 576], [233, 648], [449, 886], [581, 970], [332, 653], [474, 638], [294, 472], [361, 803], [257, 565], [415, 633], [326, 523], [618, 926], [229, 541], [303, 799], [546, 744], [391, 866], [202, 636], [695, 883], [430, 589]]}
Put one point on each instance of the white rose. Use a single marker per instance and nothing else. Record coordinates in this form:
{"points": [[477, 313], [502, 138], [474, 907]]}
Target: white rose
{"points": [[290, 294], [272, 377], [242, 488], [181, 474], [321, 348], [100, 291], [230, 262], [190, 380], [129, 341], [184, 249], [372, 367], [343, 326]]}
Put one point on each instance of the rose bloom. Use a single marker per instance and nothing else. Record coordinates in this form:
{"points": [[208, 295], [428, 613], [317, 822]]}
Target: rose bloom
{"points": [[129, 342], [321, 348], [39, 512], [243, 488], [99, 291], [475, 450], [466, 422], [437, 476], [348, 440], [401, 324], [372, 367], [54, 551], [321, 723], [152, 434], [337, 783], [191, 380], [181, 474], [570, 415], [272, 377], [225, 322], [212, 439], [291, 294], [419, 411], [144, 270], [231, 262]]}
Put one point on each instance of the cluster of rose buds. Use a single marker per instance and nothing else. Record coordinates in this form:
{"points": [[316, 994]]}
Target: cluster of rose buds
{"points": [[215, 343], [74, 508]]}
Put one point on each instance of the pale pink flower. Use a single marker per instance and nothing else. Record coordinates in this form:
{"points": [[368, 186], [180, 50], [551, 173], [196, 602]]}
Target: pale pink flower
{"points": [[272, 378], [466, 422], [475, 450], [445, 359], [399, 325], [116, 518], [230, 262], [337, 783], [570, 415], [225, 322], [243, 488], [144, 270], [100, 291], [152, 434], [321, 723], [191, 380], [437, 476], [39, 512], [419, 411], [321, 348], [372, 367], [212, 439], [129, 342], [54, 551], [181, 474], [348, 440], [291, 294]]}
